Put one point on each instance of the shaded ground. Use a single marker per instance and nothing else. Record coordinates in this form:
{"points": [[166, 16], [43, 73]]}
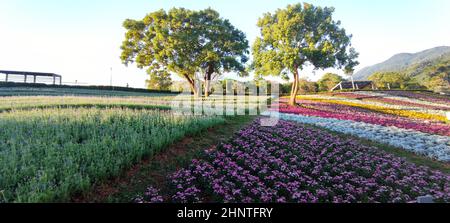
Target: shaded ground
{"points": [[153, 171]]}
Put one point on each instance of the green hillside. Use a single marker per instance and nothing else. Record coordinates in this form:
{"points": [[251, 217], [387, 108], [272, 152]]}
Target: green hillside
{"points": [[407, 62], [431, 74], [424, 71]]}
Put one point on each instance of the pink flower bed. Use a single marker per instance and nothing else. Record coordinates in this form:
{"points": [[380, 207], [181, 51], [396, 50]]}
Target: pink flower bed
{"points": [[344, 112]]}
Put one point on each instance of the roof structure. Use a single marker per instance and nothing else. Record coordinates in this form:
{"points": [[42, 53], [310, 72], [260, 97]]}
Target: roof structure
{"points": [[347, 85], [25, 75]]}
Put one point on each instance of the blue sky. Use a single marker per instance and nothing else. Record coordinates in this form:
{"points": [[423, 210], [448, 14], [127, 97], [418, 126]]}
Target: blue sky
{"points": [[81, 39]]}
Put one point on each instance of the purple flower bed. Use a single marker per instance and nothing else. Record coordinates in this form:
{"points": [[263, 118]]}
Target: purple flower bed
{"points": [[151, 195], [295, 163]]}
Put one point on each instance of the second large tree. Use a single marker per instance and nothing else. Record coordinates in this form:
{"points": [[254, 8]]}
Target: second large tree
{"points": [[297, 36], [187, 43]]}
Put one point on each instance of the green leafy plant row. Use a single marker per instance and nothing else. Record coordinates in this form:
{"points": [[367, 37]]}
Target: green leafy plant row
{"points": [[49, 155]]}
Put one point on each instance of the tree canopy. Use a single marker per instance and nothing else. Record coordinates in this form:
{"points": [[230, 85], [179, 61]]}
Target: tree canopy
{"points": [[390, 80], [328, 81], [301, 35], [159, 80], [438, 76], [224, 48], [187, 43]]}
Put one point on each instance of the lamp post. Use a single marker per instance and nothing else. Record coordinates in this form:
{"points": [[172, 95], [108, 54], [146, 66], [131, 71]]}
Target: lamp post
{"points": [[111, 76]]}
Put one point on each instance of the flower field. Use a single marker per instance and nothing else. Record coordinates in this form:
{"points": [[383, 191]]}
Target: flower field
{"points": [[344, 112], [151, 101], [433, 146], [202, 102], [427, 97], [53, 148], [413, 126], [48, 155], [295, 163], [33, 102], [398, 110], [393, 100]]}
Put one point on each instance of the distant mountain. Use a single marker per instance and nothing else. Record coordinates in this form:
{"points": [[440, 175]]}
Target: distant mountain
{"points": [[404, 61]]}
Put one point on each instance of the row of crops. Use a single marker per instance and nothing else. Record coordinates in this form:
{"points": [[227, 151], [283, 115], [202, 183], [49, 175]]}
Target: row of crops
{"points": [[156, 101], [50, 154], [30, 102]]}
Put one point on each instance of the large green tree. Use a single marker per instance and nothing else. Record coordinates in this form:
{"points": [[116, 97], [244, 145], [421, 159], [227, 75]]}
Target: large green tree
{"points": [[438, 77], [162, 41], [185, 42], [159, 80], [297, 36], [390, 80], [328, 81], [439, 82], [223, 48]]}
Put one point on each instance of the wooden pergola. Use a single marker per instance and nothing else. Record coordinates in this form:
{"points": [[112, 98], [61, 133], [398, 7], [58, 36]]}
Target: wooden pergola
{"points": [[34, 75]]}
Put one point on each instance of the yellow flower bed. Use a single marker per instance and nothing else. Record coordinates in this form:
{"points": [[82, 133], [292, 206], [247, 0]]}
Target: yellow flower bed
{"points": [[391, 111]]}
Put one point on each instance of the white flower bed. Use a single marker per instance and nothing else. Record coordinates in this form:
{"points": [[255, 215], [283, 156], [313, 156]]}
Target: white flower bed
{"points": [[433, 146]]}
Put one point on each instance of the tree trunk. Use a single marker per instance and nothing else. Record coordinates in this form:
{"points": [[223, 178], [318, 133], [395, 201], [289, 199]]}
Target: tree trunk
{"points": [[208, 76], [195, 91], [207, 86], [192, 85], [294, 89]]}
